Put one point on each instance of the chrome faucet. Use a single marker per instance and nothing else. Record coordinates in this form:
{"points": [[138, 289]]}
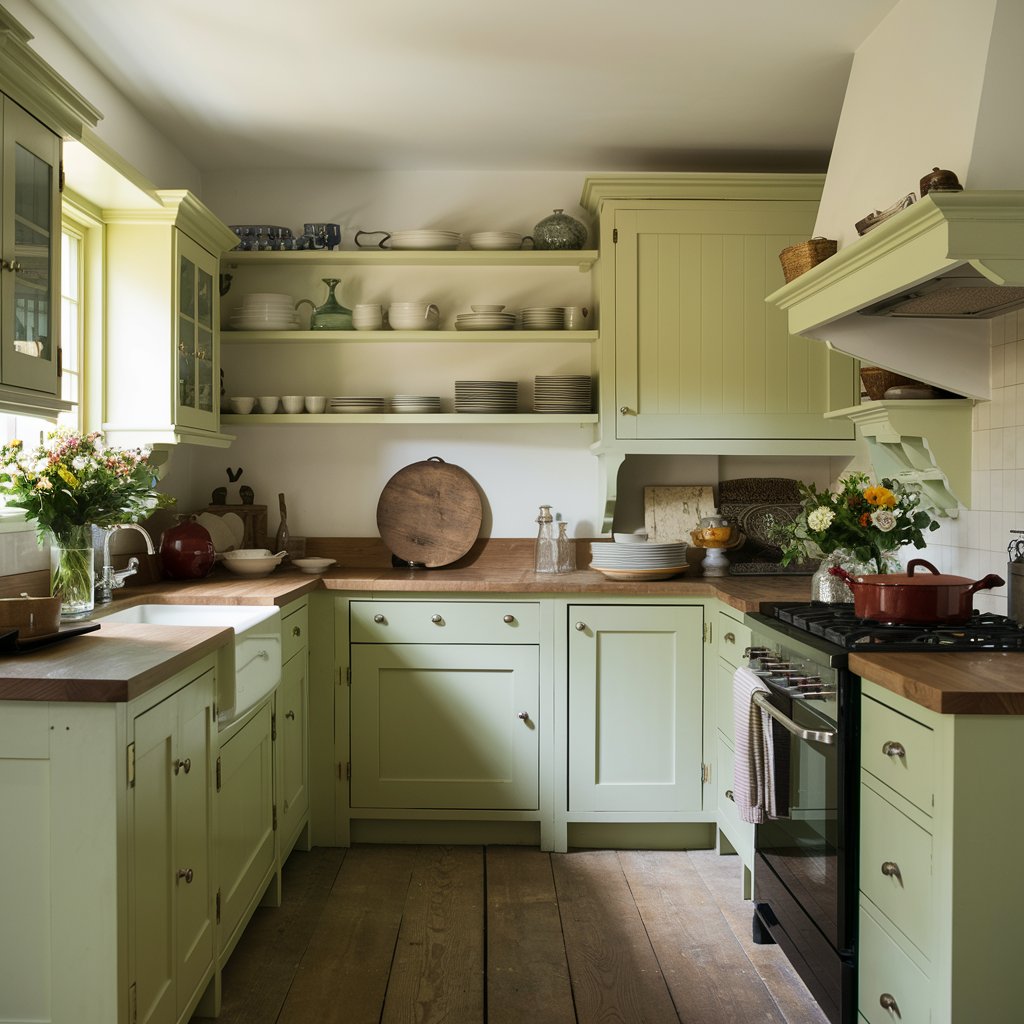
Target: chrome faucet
{"points": [[112, 579]]}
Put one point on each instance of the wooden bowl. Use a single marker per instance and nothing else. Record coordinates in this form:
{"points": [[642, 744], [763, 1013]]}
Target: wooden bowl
{"points": [[30, 616]]}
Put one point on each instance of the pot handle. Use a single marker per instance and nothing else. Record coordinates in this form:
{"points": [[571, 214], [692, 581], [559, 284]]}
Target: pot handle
{"points": [[915, 562], [988, 583], [838, 570]]}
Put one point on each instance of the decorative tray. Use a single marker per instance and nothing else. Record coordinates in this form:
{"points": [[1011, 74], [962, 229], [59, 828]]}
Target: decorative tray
{"points": [[11, 642]]}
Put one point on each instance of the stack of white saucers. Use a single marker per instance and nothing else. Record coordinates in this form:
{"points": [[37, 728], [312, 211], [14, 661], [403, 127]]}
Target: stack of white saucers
{"points": [[495, 240], [357, 403], [485, 318], [639, 561], [416, 403], [426, 239], [265, 311], [562, 393], [543, 318], [486, 395]]}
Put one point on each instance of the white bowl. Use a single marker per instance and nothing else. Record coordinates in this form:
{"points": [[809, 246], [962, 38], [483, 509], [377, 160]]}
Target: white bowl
{"points": [[242, 406], [252, 561], [268, 403], [313, 565], [293, 403], [315, 403], [630, 538]]}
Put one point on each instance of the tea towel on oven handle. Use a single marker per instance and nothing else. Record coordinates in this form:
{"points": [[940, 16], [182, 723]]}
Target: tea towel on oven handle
{"points": [[757, 771]]}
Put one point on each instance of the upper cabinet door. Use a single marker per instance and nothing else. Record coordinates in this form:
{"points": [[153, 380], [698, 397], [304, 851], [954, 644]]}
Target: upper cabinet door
{"points": [[196, 355], [30, 230], [699, 354]]}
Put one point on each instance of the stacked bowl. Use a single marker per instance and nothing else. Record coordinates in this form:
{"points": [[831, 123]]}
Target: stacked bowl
{"points": [[486, 396], [543, 318], [265, 311], [426, 239], [485, 318], [643, 561], [413, 316], [495, 240], [562, 393]]}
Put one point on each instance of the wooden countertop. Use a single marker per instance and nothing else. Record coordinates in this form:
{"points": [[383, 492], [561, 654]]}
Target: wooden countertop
{"points": [[116, 663], [952, 683]]}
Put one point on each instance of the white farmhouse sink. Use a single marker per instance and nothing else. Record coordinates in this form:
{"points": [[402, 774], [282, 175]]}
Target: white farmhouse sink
{"points": [[253, 666]]}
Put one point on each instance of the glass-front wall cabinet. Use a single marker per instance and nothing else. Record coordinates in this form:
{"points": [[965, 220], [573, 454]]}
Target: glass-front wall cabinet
{"points": [[196, 364], [30, 275]]}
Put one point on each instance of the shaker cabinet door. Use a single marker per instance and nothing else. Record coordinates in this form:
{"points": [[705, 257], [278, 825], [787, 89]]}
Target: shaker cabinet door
{"points": [[698, 352]]}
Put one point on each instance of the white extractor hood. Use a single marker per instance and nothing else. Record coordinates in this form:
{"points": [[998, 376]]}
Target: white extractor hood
{"points": [[917, 293]]}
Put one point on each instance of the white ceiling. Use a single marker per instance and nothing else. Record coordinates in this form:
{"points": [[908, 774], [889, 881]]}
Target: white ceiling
{"points": [[537, 84]]}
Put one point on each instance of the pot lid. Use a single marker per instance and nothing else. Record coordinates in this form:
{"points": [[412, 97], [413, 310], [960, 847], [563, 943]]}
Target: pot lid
{"points": [[920, 573]]}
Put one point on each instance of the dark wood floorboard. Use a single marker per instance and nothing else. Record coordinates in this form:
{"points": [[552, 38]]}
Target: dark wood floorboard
{"points": [[527, 973], [509, 935]]}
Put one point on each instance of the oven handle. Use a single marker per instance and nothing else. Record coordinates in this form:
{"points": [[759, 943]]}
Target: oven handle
{"points": [[826, 736]]}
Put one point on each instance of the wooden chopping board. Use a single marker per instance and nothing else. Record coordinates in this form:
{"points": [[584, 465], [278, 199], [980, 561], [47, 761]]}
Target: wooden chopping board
{"points": [[671, 512], [430, 513]]}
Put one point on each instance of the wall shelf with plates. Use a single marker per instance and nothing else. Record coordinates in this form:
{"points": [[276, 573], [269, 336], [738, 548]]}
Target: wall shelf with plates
{"points": [[353, 337], [533, 258], [392, 418]]}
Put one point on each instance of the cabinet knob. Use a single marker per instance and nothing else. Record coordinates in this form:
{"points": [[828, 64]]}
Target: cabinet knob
{"points": [[12, 265], [297, 630], [186, 873], [580, 626], [892, 870], [508, 619], [185, 766], [379, 619], [290, 714], [888, 1003], [523, 716], [729, 795], [729, 638], [624, 409], [437, 620], [891, 748]]}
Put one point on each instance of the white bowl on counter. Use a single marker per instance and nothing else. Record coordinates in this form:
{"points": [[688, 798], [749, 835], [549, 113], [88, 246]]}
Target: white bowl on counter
{"points": [[313, 566], [252, 562]]}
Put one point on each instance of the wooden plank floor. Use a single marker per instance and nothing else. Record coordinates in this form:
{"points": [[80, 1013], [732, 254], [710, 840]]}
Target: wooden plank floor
{"points": [[509, 935]]}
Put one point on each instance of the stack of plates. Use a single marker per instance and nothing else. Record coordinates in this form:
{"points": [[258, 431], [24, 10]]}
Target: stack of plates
{"points": [[416, 403], [495, 240], [639, 561], [485, 318], [426, 239], [486, 395], [565, 393], [357, 403], [265, 311], [543, 318]]}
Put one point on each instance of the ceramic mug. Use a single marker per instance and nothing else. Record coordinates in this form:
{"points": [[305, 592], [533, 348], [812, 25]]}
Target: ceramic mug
{"points": [[574, 318], [413, 316], [367, 316]]}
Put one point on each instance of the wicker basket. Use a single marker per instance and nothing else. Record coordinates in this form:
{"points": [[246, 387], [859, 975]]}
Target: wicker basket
{"points": [[799, 258], [876, 380]]}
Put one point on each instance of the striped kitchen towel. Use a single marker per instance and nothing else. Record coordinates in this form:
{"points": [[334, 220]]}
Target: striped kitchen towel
{"points": [[755, 755]]}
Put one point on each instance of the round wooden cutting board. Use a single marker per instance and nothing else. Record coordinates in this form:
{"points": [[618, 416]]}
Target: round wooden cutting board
{"points": [[430, 513]]}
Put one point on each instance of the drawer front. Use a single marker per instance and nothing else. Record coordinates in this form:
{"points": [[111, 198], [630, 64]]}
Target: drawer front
{"points": [[740, 833], [896, 868], [733, 640], [886, 975], [444, 622], [294, 633], [900, 752], [723, 701]]}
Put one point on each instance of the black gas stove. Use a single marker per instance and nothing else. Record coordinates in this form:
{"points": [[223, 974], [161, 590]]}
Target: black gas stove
{"points": [[837, 624]]}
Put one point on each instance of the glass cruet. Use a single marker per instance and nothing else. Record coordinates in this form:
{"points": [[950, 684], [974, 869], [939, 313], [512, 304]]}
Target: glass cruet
{"points": [[566, 549], [547, 545]]}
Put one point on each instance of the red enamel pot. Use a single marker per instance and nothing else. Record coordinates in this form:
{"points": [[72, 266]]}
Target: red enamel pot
{"points": [[913, 598]]}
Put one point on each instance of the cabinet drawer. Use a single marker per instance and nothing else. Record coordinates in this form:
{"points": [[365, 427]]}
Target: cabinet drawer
{"points": [[294, 632], [896, 867], [900, 752], [740, 833], [733, 639], [444, 622], [886, 972], [723, 701]]}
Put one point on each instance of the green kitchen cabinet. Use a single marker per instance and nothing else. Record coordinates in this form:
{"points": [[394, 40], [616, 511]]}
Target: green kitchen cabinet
{"points": [[694, 351], [291, 731], [941, 833]]}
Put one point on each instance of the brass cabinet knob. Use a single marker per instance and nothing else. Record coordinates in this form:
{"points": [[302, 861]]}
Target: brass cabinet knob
{"points": [[379, 619], [729, 795], [437, 620], [290, 715], [729, 638], [523, 716], [580, 626], [892, 870], [508, 619], [624, 409], [180, 765], [894, 749], [187, 874], [297, 630], [888, 1002]]}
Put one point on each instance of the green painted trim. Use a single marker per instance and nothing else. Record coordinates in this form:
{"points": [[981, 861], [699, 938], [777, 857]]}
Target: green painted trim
{"points": [[602, 188], [584, 259]]}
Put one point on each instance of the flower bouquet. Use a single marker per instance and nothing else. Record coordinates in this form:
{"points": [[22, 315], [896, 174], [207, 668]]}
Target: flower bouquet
{"points": [[870, 521], [68, 484]]}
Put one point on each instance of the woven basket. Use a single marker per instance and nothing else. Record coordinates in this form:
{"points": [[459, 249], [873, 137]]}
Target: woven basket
{"points": [[876, 380], [799, 258]]}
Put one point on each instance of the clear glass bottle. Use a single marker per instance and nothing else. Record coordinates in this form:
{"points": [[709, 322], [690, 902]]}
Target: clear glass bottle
{"points": [[547, 545], [566, 550]]}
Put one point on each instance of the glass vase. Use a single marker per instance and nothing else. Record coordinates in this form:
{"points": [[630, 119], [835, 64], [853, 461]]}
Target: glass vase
{"points": [[72, 572], [831, 589]]}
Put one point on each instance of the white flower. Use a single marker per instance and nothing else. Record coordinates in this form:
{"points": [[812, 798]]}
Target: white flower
{"points": [[883, 519], [820, 518], [79, 462], [41, 466]]}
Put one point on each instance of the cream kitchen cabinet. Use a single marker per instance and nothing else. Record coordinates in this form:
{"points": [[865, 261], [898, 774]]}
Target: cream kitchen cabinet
{"points": [[163, 313], [291, 731], [171, 812], [941, 830], [635, 706], [695, 353]]}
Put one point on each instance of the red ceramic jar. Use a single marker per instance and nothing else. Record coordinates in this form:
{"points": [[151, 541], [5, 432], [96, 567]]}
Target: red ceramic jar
{"points": [[186, 550]]}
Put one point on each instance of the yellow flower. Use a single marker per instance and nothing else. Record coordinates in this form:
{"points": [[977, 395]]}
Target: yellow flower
{"points": [[68, 477], [880, 497]]}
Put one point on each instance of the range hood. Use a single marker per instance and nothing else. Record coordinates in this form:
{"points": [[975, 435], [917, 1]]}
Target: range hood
{"points": [[914, 293]]}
